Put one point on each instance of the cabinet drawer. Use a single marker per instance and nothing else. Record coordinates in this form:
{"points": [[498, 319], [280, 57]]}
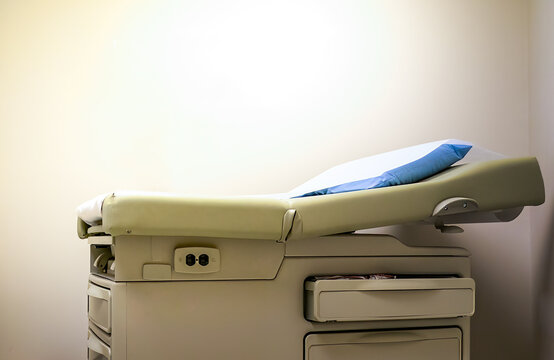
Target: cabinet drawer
{"points": [[97, 349], [422, 344], [100, 306], [388, 299]]}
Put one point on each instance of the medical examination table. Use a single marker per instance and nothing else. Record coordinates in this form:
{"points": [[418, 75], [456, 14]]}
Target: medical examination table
{"points": [[175, 277]]}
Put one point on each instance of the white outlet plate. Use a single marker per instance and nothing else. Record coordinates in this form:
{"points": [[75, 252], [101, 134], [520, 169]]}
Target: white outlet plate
{"points": [[181, 266]]}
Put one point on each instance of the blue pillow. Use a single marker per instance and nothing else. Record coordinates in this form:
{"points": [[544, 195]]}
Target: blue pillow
{"points": [[434, 162]]}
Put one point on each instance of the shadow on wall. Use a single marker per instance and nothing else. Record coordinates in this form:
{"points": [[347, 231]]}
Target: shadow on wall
{"points": [[546, 297]]}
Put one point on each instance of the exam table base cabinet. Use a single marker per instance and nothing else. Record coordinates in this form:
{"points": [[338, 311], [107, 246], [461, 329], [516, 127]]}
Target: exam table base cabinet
{"points": [[276, 316], [254, 294]]}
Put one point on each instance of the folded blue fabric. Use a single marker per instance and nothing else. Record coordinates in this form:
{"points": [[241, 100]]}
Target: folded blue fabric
{"points": [[434, 162]]}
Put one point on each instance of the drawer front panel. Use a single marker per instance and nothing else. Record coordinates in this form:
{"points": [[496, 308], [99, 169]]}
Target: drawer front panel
{"points": [[408, 304], [444, 344], [99, 306], [97, 349], [390, 299]]}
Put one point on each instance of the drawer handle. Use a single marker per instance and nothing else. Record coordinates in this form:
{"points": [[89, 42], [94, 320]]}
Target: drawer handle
{"points": [[395, 337], [98, 346], [99, 293]]}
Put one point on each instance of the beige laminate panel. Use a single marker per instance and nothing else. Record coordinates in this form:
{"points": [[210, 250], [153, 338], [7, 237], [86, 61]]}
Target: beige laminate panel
{"points": [[258, 319]]}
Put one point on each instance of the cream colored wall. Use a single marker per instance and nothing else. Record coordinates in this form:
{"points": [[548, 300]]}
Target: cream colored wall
{"points": [[241, 97], [542, 135]]}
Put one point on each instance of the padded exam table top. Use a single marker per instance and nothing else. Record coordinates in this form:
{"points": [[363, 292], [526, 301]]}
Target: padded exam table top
{"points": [[484, 191]]}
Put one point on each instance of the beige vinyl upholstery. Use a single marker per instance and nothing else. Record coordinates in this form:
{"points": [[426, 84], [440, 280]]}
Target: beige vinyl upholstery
{"points": [[494, 185]]}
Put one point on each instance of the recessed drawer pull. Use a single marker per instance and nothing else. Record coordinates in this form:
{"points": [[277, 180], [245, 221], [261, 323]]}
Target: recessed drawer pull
{"points": [[96, 345], [98, 292]]}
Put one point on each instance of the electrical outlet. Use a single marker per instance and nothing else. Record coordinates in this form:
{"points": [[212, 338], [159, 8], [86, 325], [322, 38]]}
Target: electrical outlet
{"points": [[197, 260]]}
